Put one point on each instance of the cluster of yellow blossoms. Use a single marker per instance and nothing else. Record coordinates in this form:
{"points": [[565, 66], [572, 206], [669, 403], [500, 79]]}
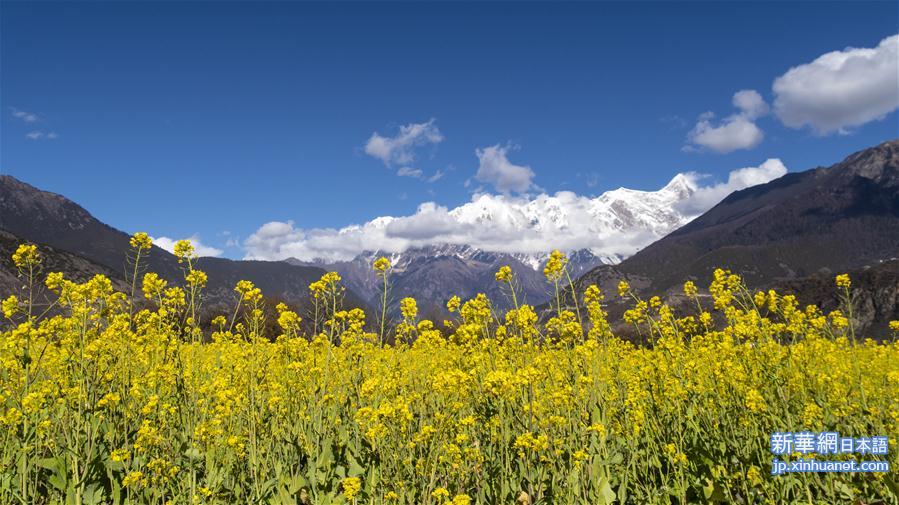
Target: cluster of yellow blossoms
{"points": [[110, 398]]}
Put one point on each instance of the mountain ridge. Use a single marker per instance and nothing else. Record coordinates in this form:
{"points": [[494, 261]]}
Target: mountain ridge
{"points": [[433, 273], [789, 233], [47, 218]]}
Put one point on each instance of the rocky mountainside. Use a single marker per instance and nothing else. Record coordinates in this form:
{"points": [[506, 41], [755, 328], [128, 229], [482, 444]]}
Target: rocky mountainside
{"points": [[875, 295], [87, 245], [53, 260], [433, 274], [792, 231]]}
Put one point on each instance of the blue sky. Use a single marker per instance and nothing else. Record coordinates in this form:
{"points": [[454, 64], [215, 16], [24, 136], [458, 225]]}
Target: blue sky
{"points": [[203, 117]]}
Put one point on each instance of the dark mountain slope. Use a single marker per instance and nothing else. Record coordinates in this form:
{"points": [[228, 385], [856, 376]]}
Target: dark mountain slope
{"points": [[792, 234], [875, 295], [53, 260], [433, 274], [820, 221], [47, 218]]}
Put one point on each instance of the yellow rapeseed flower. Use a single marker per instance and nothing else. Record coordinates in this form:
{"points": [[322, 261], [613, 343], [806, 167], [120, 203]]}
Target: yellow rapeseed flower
{"points": [[453, 303], [555, 266], [140, 241], [133, 479], [381, 265], [843, 281], [196, 278], [432, 406], [10, 306], [352, 486], [504, 274], [461, 499], [409, 308], [184, 250], [26, 256], [54, 281], [690, 288], [153, 286]]}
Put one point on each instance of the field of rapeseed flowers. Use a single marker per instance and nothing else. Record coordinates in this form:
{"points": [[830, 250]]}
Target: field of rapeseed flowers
{"points": [[113, 397]]}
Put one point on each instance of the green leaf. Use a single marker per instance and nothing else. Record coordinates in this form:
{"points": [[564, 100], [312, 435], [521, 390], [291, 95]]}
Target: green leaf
{"points": [[296, 483], [606, 494], [48, 463], [93, 494], [269, 484], [355, 468], [326, 456], [285, 497], [57, 482], [622, 490], [891, 484]]}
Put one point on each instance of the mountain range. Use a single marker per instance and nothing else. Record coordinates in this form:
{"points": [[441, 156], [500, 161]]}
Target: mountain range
{"points": [[626, 218], [433, 274], [793, 233], [75, 242], [824, 220]]}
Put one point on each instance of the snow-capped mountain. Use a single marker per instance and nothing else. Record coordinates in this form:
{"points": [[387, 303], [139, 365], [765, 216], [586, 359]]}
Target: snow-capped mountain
{"points": [[433, 273], [613, 225], [619, 210]]}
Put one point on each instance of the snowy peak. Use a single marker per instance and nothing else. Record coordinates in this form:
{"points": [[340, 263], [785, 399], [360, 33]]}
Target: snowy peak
{"points": [[621, 222], [680, 186], [611, 226], [439, 252], [621, 210]]}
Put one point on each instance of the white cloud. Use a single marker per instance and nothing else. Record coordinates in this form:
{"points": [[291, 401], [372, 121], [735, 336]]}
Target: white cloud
{"points": [[417, 173], [750, 103], [28, 117], [705, 197], [400, 149], [231, 240], [428, 222], [495, 169], [409, 172], [592, 179], [734, 133], [616, 223], [737, 131], [841, 89], [202, 250], [38, 135]]}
